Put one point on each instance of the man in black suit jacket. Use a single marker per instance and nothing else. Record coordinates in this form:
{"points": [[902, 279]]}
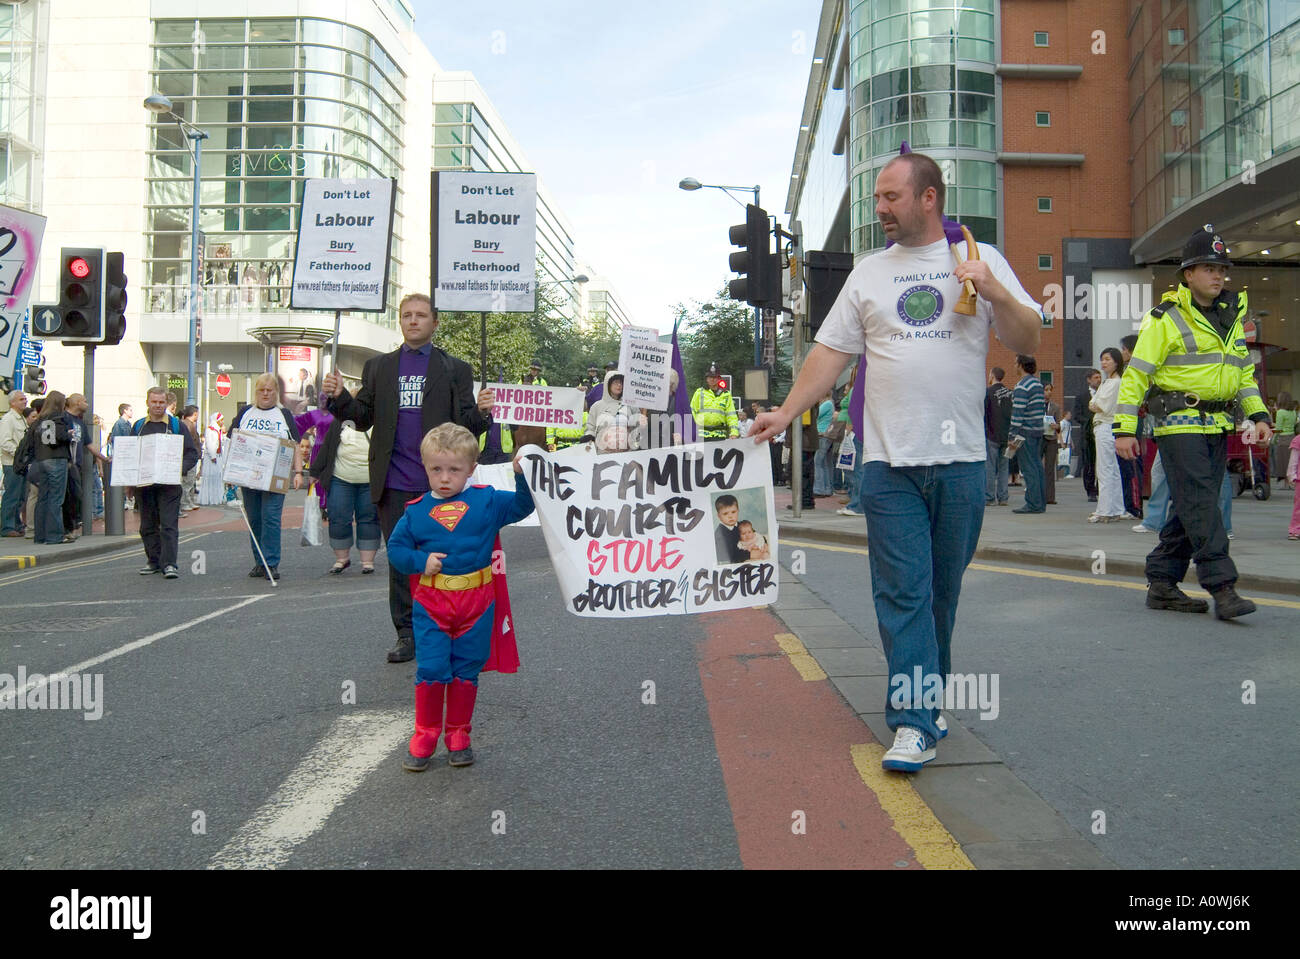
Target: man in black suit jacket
{"points": [[1088, 449], [403, 395]]}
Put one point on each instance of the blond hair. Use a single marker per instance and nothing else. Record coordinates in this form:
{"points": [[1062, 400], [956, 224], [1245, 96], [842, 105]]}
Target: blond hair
{"points": [[449, 438], [267, 379]]}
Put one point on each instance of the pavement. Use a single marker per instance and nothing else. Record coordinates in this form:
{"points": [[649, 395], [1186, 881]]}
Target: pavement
{"points": [[1062, 538]]}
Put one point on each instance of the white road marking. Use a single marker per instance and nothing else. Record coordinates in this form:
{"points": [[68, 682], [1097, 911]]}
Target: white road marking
{"points": [[122, 650], [352, 749]]}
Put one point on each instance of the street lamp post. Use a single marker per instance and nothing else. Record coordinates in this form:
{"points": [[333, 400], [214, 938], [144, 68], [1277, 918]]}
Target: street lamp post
{"points": [[690, 183], [162, 105]]}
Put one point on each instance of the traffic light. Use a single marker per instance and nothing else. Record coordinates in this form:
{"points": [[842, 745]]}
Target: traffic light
{"points": [[34, 380], [81, 294], [724, 382], [759, 284], [114, 299]]}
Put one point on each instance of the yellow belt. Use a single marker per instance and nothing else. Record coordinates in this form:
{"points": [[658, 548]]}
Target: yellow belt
{"points": [[459, 581]]}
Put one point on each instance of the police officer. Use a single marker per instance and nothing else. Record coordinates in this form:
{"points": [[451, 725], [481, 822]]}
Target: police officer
{"points": [[534, 375], [713, 409], [1192, 347]]}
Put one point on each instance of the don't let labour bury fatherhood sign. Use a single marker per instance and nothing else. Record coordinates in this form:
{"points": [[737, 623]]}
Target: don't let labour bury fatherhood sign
{"points": [[345, 229], [484, 242]]}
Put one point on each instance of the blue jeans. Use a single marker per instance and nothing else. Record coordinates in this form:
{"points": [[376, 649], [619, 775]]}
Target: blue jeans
{"points": [[1030, 458], [923, 524], [855, 478], [51, 476], [1157, 511], [346, 500], [997, 471], [822, 468], [264, 510], [15, 495]]}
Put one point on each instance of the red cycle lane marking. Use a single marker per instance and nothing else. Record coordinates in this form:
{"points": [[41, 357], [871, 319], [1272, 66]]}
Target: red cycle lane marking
{"points": [[783, 744]]}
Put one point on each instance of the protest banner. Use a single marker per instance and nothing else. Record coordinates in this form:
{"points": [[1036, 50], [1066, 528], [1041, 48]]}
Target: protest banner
{"points": [[484, 241], [345, 229], [147, 460], [258, 461], [645, 364], [689, 529], [536, 405], [20, 247]]}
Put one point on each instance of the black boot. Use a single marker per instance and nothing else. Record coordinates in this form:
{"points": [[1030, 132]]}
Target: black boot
{"points": [[404, 651], [1169, 596], [1228, 604]]}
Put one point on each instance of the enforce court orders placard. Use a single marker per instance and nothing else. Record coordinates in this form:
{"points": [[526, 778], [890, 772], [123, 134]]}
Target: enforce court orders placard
{"points": [[345, 229], [484, 242]]}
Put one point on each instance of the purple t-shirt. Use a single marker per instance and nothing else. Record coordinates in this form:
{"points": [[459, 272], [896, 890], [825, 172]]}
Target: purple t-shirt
{"points": [[405, 471]]}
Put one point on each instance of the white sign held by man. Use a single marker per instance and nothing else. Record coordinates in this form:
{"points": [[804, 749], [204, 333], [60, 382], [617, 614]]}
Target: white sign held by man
{"points": [[686, 529], [645, 364], [522, 405], [147, 460], [485, 242], [20, 247], [345, 229]]}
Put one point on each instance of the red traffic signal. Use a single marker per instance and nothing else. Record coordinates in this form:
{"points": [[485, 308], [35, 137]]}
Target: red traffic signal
{"points": [[78, 267], [724, 382]]}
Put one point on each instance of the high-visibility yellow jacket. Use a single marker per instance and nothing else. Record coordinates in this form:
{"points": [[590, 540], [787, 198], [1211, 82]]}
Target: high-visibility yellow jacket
{"points": [[507, 438], [562, 436], [1180, 349], [715, 413]]}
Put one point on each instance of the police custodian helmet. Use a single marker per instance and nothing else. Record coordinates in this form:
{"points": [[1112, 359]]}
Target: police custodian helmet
{"points": [[1205, 246]]}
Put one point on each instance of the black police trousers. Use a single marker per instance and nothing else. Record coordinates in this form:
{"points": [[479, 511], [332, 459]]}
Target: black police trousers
{"points": [[1194, 465]]}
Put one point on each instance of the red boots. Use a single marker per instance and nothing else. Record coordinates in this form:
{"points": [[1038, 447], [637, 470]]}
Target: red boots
{"points": [[428, 725], [460, 709]]}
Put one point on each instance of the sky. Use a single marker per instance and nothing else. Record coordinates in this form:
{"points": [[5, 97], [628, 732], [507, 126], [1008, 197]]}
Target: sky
{"points": [[615, 103]]}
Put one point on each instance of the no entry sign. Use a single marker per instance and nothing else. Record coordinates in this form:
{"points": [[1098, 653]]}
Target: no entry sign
{"points": [[223, 385]]}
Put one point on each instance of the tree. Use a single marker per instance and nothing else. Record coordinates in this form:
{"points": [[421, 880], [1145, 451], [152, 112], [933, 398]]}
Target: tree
{"points": [[510, 343], [721, 330]]}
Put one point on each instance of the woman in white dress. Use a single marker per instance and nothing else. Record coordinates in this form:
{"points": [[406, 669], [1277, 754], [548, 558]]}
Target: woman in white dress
{"points": [[212, 492], [1110, 495]]}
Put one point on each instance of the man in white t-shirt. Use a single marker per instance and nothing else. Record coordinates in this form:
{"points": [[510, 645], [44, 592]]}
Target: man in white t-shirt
{"points": [[923, 429]]}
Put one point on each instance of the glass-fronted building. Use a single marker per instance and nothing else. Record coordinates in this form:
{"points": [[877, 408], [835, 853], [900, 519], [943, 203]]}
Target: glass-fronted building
{"points": [[24, 31], [469, 134], [281, 100], [923, 71]]}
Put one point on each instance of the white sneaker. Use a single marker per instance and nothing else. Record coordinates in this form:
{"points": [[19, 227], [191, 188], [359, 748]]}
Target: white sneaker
{"points": [[1139, 528], [845, 511], [1229, 535], [909, 753], [941, 724]]}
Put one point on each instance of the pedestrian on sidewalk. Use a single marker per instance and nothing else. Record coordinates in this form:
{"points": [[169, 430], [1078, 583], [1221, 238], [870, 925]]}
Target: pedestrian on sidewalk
{"points": [[160, 503], [190, 478], [212, 491], [822, 482], [997, 426], [121, 427], [342, 469], [461, 618], [1027, 408], [13, 427], [854, 506], [403, 395], [1131, 471], [1286, 431], [924, 449], [264, 508], [1087, 470], [1110, 502], [50, 470], [1051, 444], [1192, 349], [1293, 474]]}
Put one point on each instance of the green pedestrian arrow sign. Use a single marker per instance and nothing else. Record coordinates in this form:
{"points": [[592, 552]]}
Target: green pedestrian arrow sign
{"points": [[46, 319]]}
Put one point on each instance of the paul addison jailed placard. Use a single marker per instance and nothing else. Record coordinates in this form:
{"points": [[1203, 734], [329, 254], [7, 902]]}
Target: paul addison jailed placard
{"points": [[345, 228], [688, 529], [484, 241]]}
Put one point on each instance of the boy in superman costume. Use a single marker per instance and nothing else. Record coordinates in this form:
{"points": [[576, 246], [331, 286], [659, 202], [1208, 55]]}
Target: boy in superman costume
{"points": [[445, 542]]}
